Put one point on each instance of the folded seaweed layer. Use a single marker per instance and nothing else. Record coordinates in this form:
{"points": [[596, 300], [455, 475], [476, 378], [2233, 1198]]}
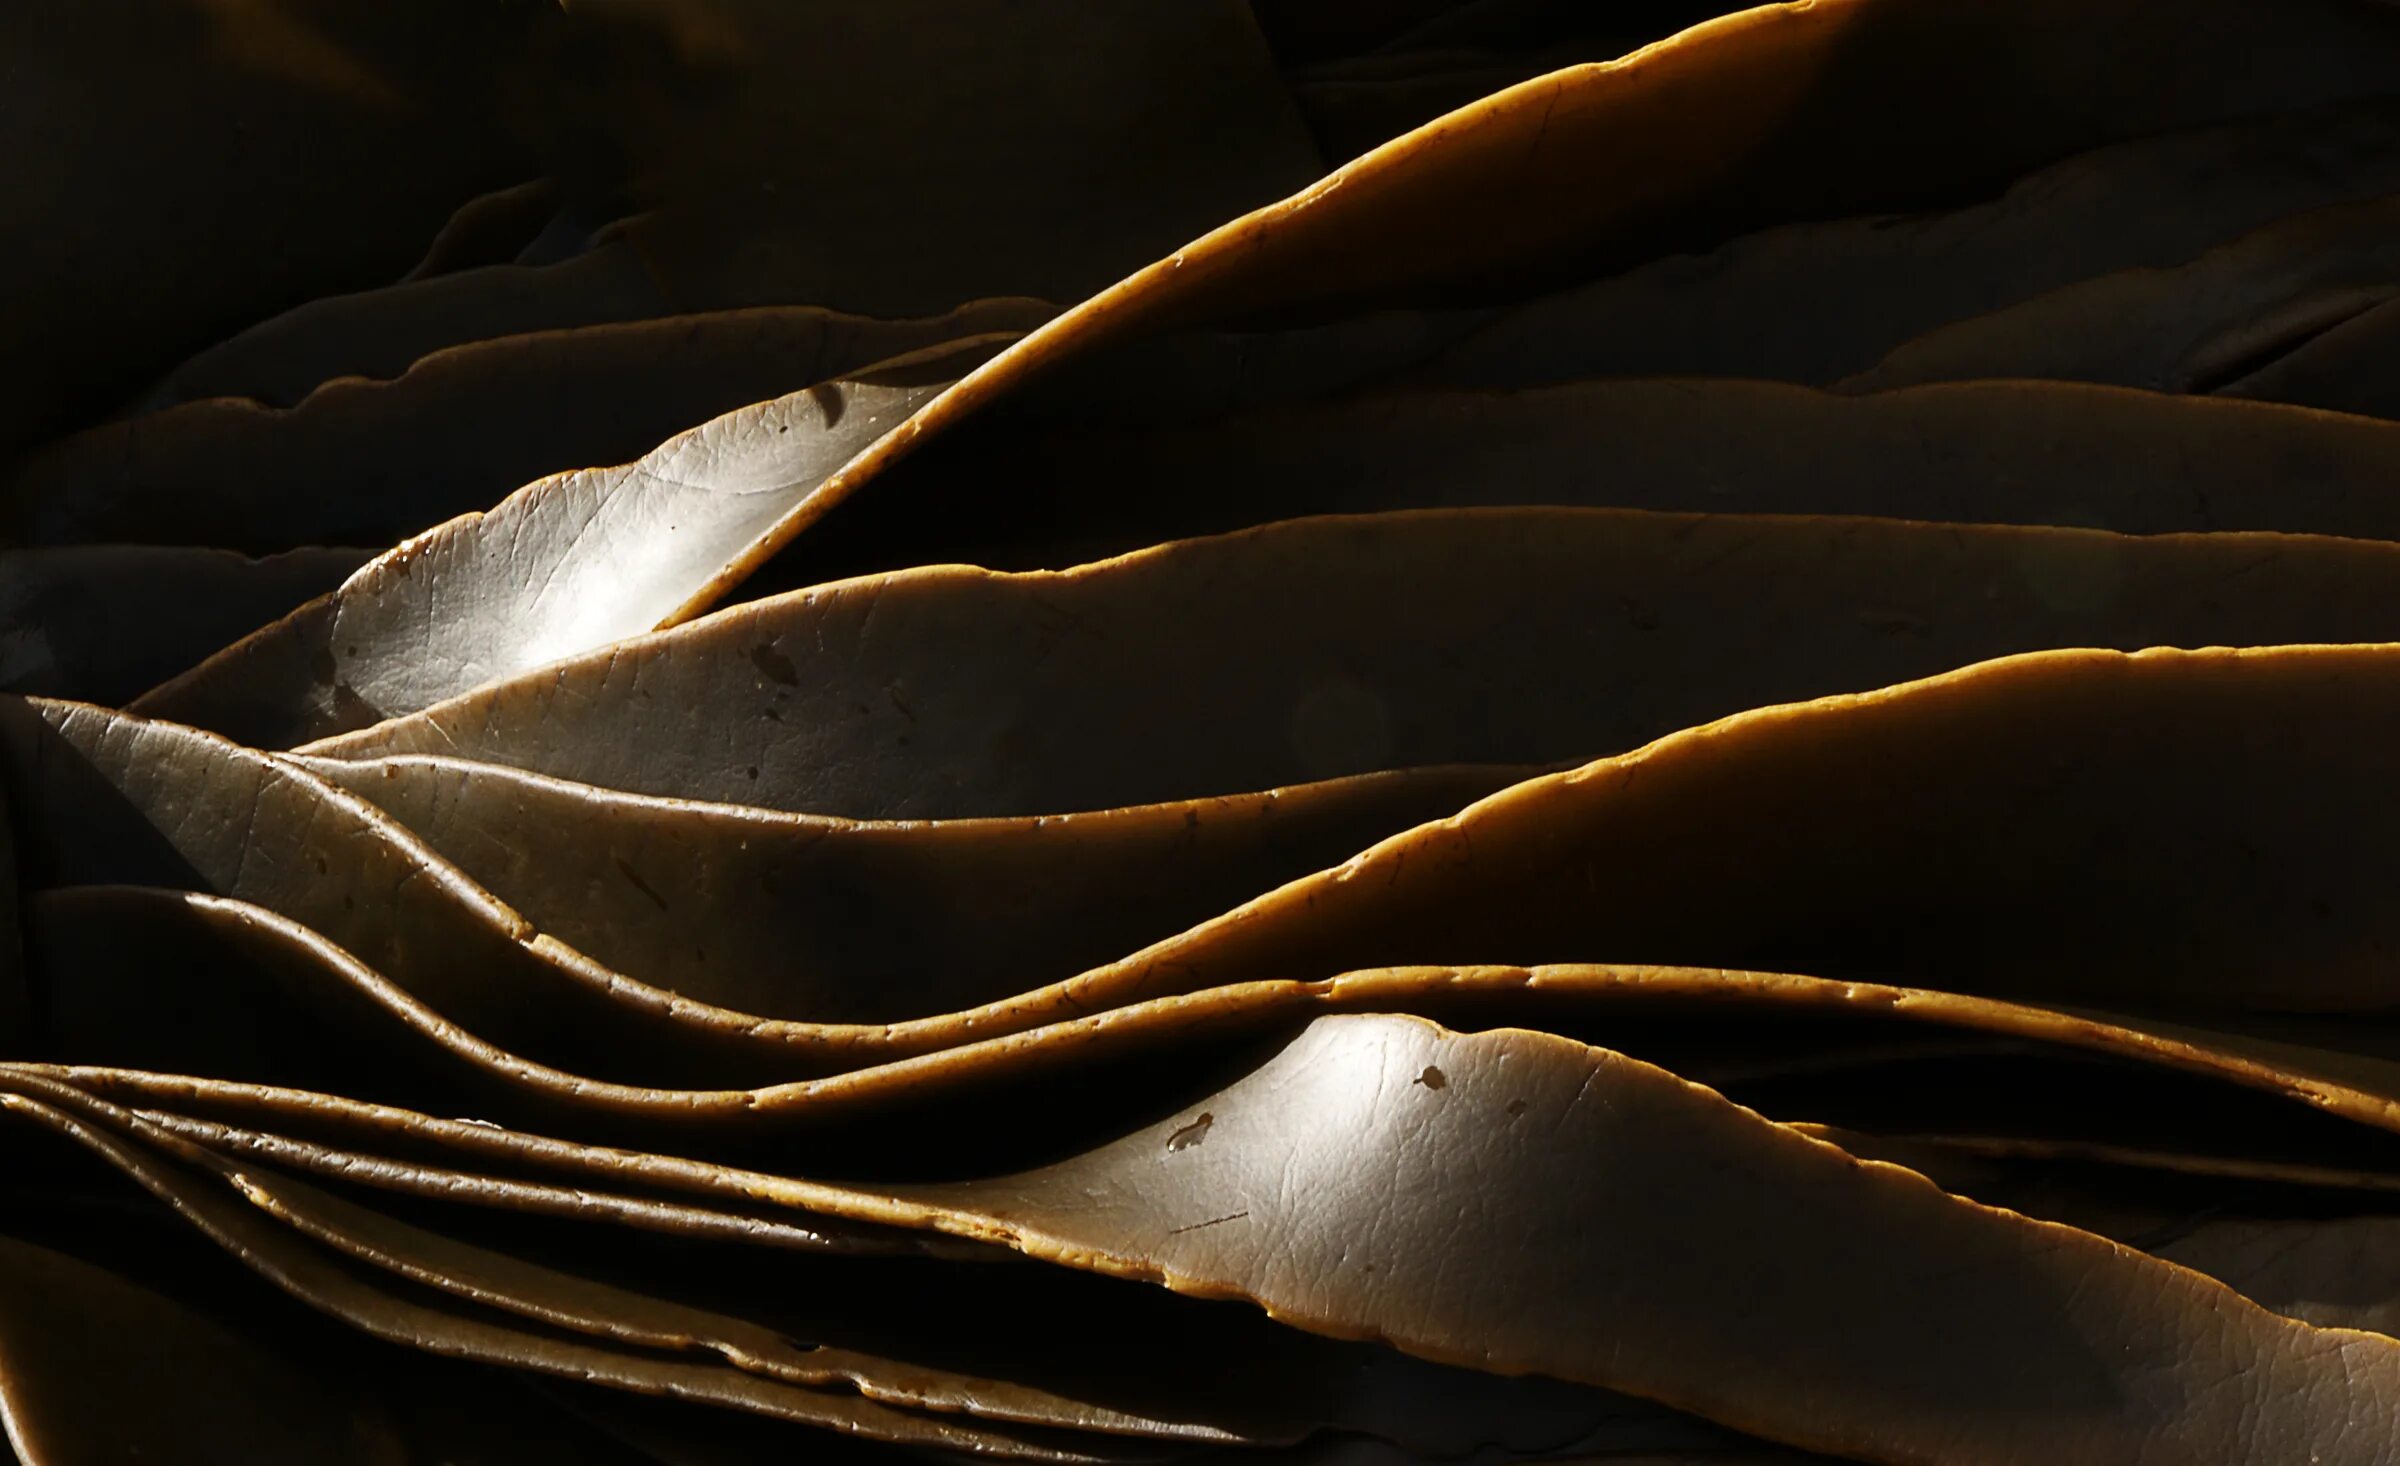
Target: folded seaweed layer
{"points": [[1542, 202], [798, 917], [348, 925], [1800, 1045], [1470, 1248], [270, 1186], [1211, 1374], [2058, 907], [1318, 648], [1619, 1276], [2088, 750], [972, 1110], [569, 563], [348, 875], [373, 462], [322, 1280], [192, 1309], [2185, 827], [848, 921], [2240, 1268], [464, 584], [197, 984], [2185, 328], [253, 998], [1548, 173], [1636, 858], [1269, 251]]}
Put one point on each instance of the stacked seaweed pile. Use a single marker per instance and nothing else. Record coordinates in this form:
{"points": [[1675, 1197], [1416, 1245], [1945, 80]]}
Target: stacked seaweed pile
{"points": [[766, 729]]}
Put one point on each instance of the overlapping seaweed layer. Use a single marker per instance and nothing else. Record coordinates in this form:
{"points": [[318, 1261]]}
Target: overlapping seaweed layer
{"points": [[734, 731]]}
